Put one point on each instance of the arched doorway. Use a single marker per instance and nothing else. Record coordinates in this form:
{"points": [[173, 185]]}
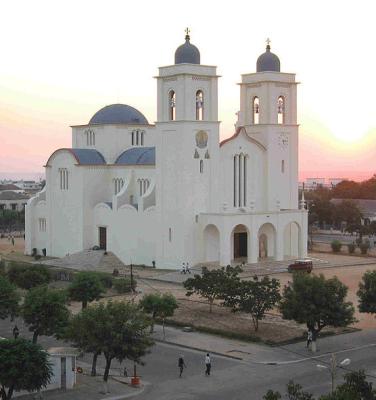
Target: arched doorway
{"points": [[240, 243], [292, 241], [211, 243], [267, 241]]}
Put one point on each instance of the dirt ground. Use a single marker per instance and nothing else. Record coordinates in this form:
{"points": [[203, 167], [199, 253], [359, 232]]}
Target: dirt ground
{"points": [[193, 311]]}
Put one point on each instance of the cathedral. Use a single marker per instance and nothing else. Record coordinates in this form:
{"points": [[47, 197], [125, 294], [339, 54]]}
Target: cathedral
{"points": [[171, 192]]}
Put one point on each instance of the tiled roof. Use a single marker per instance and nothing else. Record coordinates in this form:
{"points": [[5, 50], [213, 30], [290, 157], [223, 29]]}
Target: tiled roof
{"points": [[9, 195], [9, 187], [137, 156]]}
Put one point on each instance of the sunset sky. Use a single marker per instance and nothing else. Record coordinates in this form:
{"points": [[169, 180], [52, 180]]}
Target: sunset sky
{"points": [[61, 61]]}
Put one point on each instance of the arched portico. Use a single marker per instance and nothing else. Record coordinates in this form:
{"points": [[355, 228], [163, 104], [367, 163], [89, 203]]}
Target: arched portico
{"points": [[292, 238], [240, 243], [211, 244], [267, 241]]}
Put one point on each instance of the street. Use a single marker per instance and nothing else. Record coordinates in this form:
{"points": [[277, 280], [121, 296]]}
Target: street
{"points": [[249, 378]]}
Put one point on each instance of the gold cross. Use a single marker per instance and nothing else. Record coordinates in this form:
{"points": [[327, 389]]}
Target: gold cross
{"points": [[268, 41], [187, 31]]}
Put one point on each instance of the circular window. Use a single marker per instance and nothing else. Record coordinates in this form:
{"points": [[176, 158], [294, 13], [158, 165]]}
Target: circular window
{"points": [[201, 139]]}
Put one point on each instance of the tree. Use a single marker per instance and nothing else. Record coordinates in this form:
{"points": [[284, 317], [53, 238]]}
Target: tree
{"points": [[355, 387], [45, 311], [254, 297], [159, 306], [367, 293], [9, 299], [86, 287], [28, 276], [336, 246], [212, 284], [317, 302], [294, 392], [23, 366], [117, 329]]}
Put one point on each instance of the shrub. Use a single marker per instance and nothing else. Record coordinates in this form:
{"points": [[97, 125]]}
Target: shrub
{"points": [[26, 277], [106, 279], [336, 246], [364, 246], [124, 285], [351, 247]]}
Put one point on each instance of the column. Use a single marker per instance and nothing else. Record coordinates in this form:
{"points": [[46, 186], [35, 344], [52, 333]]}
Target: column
{"points": [[236, 180], [241, 179], [225, 255]]}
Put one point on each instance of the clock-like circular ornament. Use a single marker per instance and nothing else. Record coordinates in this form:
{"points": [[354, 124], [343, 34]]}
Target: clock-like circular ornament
{"points": [[283, 140]]}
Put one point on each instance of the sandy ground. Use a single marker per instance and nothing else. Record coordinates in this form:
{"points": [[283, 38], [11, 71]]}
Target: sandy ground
{"points": [[192, 310]]}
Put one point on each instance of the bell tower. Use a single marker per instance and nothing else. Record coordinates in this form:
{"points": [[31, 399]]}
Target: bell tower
{"points": [[187, 149], [268, 111]]}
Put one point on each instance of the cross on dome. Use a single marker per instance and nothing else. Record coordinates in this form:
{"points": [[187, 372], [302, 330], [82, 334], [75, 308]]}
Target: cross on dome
{"points": [[187, 32]]}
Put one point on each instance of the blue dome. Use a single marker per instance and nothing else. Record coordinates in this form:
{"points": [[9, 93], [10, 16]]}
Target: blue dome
{"points": [[268, 61], [118, 114], [137, 156], [187, 53]]}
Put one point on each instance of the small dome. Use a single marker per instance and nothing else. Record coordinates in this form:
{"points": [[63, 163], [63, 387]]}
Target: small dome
{"points": [[268, 61], [118, 114], [187, 53]]}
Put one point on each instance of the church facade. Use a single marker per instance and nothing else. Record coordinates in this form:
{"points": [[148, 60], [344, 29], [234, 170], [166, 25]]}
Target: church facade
{"points": [[171, 192]]}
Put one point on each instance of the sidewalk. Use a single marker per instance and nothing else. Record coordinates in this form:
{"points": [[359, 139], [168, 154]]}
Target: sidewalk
{"points": [[89, 387]]}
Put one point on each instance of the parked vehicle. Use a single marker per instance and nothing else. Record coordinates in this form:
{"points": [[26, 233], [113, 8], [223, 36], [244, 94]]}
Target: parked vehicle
{"points": [[301, 265]]}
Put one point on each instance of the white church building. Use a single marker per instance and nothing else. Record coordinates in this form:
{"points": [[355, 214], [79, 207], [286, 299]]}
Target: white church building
{"points": [[171, 192]]}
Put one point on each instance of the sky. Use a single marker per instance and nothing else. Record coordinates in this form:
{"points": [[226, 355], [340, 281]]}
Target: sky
{"points": [[61, 61]]}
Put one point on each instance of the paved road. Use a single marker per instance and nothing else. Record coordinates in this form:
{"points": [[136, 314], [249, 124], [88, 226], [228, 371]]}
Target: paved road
{"points": [[240, 379]]}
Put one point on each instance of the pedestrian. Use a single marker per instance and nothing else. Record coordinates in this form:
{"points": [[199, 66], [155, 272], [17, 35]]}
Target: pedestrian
{"points": [[182, 271], [187, 268], [12, 240], [125, 372], [309, 338], [181, 365], [207, 364], [16, 331]]}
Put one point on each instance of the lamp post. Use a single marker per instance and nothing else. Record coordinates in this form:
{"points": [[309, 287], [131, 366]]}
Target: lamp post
{"points": [[333, 367]]}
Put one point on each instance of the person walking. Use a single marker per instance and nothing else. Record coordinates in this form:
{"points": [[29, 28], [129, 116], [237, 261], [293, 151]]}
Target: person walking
{"points": [[16, 331], [181, 365], [207, 364], [12, 240], [309, 338], [182, 271], [187, 268]]}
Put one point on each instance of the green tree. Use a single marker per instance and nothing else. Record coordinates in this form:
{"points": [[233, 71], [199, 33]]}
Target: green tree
{"points": [[271, 395], [28, 276], [159, 306], [45, 312], [86, 287], [317, 302], [119, 330], [254, 297], [336, 246], [294, 392], [213, 284], [355, 387], [367, 293], [23, 366], [9, 299]]}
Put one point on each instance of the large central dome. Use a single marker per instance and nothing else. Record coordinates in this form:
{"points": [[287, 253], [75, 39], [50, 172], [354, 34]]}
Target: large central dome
{"points": [[118, 114]]}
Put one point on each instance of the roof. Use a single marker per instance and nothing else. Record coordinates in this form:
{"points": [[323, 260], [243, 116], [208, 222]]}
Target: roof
{"points": [[137, 156], [83, 156], [268, 61], [367, 207], [9, 195], [9, 187], [118, 114], [231, 137], [187, 53], [88, 156]]}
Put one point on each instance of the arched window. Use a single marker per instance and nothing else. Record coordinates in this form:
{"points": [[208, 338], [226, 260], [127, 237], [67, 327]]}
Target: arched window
{"points": [[240, 180], [201, 166], [281, 110], [137, 136], [256, 110], [171, 105], [90, 137], [142, 138], [199, 105], [132, 138]]}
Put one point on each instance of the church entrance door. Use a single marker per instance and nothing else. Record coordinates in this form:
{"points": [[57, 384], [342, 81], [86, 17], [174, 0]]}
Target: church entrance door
{"points": [[240, 245], [103, 238]]}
